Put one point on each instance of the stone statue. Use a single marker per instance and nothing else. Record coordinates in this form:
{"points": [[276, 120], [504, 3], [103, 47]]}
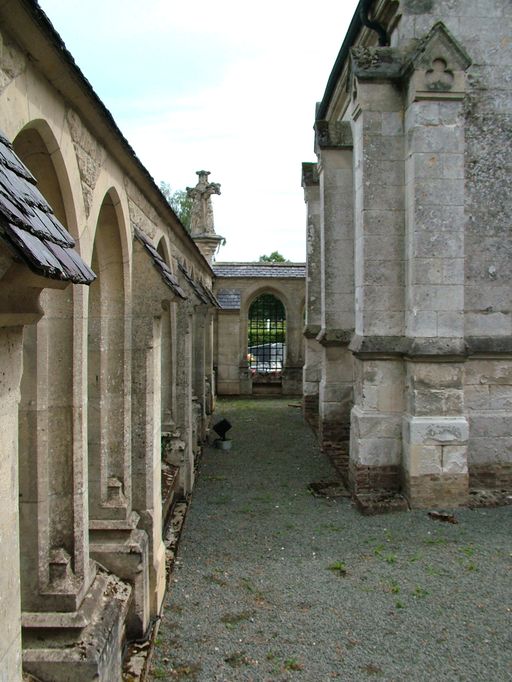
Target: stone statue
{"points": [[201, 219]]}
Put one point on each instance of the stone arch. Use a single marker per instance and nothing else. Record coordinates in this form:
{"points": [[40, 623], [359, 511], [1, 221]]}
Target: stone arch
{"points": [[52, 546], [37, 145], [108, 369], [266, 337]]}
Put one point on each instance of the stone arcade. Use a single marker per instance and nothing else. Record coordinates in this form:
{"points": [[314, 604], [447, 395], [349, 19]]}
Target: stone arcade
{"points": [[106, 389], [408, 371]]}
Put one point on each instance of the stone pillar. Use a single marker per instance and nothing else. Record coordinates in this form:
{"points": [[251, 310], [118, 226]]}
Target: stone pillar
{"points": [[334, 150], [210, 387], [376, 111], [53, 505], [116, 541], [313, 350], [199, 368], [11, 354], [185, 457], [294, 360], [435, 428], [146, 447]]}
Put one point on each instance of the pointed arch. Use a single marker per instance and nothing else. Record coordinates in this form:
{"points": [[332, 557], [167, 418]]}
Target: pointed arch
{"points": [[108, 368]]}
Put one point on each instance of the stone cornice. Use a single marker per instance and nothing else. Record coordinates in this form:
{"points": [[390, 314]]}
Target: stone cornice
{"points": [[309, 174], [334, 337], [333, 135], [433, 349], [489, 345], [311, 331]]}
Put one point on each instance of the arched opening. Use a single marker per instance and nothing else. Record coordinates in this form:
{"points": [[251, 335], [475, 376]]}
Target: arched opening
{"points": [[109, 484], [266, 339], [51, 545]]}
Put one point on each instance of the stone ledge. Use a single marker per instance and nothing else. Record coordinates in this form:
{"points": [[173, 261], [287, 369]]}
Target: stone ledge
{"points": [[499, 345], [311, 331], [89, 653], [371, 346], [433, 349], [334, 337]]}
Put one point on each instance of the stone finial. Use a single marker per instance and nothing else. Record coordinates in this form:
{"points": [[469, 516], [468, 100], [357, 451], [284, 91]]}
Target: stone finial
{"points": [[201, 220]]}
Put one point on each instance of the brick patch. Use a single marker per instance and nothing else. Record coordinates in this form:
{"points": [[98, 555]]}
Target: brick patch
{"points": [[334, 439], [437, 491], [491, 476], [366, 479]]}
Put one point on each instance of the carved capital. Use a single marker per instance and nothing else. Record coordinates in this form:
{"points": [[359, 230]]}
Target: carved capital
{"points": [[334, 337], [333, 135], [311, 331], [377, 63], [309, 174]]}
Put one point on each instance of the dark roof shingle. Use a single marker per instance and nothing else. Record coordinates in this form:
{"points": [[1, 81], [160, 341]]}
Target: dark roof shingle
{"points": [[160, 264], [270, 270], [29, 227], [229, 299]]}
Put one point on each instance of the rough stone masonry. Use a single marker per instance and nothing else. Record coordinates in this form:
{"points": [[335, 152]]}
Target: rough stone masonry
{"points": [[408, 373]]}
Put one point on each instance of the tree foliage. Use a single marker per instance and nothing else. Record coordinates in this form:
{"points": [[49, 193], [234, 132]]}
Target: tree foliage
{"points": [[275, 257], [180, 203]]}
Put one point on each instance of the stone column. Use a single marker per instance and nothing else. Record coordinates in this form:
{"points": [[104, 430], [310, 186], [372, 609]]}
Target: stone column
{"points": [[185, 456], [11, 354], [116, 540], [334, 150], [378, 343], [313, 350], [210, 387], [435, 428], [199, 368], [52, 426], [294, 360]]}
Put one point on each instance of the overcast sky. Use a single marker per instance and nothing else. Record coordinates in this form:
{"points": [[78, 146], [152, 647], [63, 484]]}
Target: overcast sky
{"points": [[223, 86]]}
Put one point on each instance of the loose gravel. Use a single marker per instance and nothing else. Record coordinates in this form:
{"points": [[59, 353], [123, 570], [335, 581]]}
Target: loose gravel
{"points": [[274, 583]]}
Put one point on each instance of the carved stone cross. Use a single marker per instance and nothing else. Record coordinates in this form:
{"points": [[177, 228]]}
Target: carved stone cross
{"points": [[201, 219]]}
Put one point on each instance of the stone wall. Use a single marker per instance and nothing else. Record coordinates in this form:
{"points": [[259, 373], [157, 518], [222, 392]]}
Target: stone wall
{"points": [[233, 374], [429, 115], [107, 371]]}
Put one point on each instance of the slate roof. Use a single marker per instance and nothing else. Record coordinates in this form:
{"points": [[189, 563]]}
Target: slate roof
{"points": [[198, 289], [29, 227], [209, 293], [263, 270], [229, 299], [160, 264]]}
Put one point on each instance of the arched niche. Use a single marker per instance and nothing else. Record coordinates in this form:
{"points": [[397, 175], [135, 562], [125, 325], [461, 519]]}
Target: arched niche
{"points": [[108, 424], [51, 496]]}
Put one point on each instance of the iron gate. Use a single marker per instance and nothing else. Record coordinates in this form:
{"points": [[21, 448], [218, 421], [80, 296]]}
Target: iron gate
{"points": [[267, 336]]}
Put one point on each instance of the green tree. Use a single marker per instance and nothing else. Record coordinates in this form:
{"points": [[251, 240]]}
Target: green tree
{"points": [[180, 203], [275, 257]]}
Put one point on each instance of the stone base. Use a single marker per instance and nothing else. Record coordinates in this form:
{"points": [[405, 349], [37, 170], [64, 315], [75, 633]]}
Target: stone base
{"points": [[310, 410], [491, 476], [433, 490], [292, 380], [370, 504], [93, 652], [126, 555], [334, 440], [374, 479]]}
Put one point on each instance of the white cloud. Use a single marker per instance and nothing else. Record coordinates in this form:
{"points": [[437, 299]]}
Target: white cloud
{"points": [[247, 110]]}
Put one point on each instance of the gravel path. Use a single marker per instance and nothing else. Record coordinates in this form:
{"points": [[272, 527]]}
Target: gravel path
{"points": [[273, 583]]}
